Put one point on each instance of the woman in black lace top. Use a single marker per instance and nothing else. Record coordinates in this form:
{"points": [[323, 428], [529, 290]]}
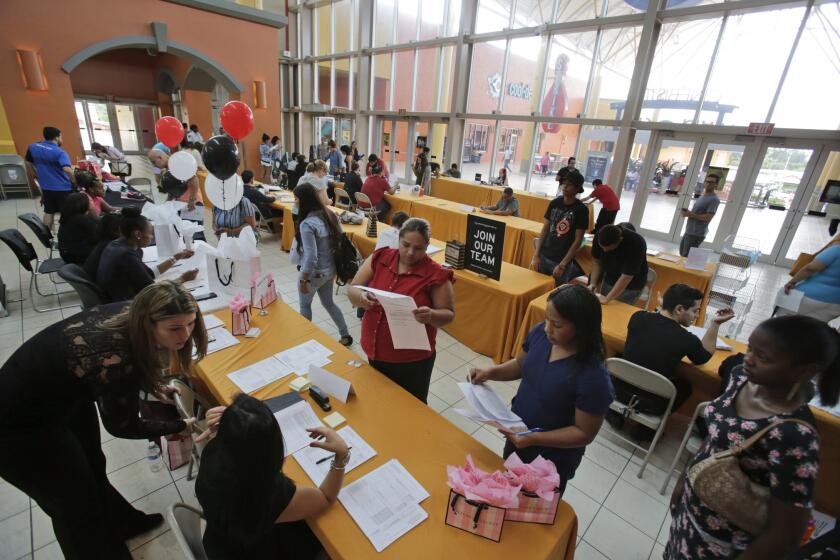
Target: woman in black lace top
{"points": [[48, 425]]}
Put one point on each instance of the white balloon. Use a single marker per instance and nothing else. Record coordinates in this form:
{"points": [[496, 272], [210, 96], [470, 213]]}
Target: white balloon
{"points": [[224, 194], [182, 165]]}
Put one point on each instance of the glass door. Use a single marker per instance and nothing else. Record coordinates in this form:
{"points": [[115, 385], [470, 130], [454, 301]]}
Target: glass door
{"points": [[662, 188], [127, 128], [723, 160], [386, 142]]}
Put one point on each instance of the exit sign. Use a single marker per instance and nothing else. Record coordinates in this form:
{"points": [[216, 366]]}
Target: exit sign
{"points": [[761, 128]]}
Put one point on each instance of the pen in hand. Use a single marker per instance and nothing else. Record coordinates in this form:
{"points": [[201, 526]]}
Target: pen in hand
{"points": [[531, 431], [319, 461]]}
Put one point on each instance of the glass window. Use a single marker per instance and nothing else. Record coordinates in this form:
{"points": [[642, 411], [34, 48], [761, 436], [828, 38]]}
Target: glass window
{"points": [[128, 131], [381, 87], [512, 151], [633, 176], [814, 230], [384, 28], [595, 152], [486, 76], [403, 80], [616, 59], [345, 23], [407, 22], [524, 74], [492, 15], [559, 141], [432, 18], [569, 62], [683, 53], [101, 123], [447, 79], [453, 22], [742, 91], [532, 13], [576, 10], [427, 79], [818, 48], [323, 69], [83, 130], [478, 141], [323, 41], [344, 68], [624, 7]]}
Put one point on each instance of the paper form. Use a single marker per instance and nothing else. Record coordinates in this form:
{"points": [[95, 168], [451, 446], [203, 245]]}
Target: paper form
{"points": [[385, 503], [791, 301], [406, 332], [300, 357], [219, 339], [486, 404], [211, 322], [308, 457], [697, 258], [294, 420], [260, 374], [668, 257], [700, 332], [432, 249], [150, 254]]}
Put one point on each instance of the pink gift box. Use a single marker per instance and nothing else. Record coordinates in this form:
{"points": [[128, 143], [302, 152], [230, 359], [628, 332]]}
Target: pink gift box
{"points": [[241, 321], [473, 517]]}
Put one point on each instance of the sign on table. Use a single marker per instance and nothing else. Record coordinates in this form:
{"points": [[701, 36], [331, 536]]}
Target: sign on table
{"points": [[485, 241]]}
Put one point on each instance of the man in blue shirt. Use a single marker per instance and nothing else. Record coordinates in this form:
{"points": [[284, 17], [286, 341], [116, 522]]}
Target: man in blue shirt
{"points": [[53, 170], [334, 159]]}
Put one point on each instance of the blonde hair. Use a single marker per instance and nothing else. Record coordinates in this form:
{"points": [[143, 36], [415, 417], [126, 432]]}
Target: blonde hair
{"points": [[155, 303], [317, 165]]}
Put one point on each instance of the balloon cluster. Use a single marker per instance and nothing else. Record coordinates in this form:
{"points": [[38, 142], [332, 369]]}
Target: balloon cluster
{"points": [[220, 155]]}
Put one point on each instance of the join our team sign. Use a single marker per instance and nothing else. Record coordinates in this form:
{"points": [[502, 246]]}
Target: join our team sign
{"points": [[485, 241]]}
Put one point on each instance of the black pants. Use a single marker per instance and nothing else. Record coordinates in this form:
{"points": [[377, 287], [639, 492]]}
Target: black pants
{"points": [[605, 218], [62, 468], [414, 377]]}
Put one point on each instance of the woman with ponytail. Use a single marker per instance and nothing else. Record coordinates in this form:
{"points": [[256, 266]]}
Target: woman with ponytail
{"points": [[785, 358]]}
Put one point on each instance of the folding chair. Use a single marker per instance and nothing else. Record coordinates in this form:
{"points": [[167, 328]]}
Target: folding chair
{"points": [[25, 253], [185, 522], [40, 229], [648, 381], [690, 441], [191, 405], [645, 299], [88, 291], [340, 196]]}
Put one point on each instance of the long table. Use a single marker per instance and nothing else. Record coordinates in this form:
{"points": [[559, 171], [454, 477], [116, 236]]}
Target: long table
{"points": [[706, 383], [397, 426], [489, 334]]}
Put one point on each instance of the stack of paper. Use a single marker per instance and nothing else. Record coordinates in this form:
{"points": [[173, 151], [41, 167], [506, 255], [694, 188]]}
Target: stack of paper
{"points": [[211, 322], [700, 332], [385, 503], [487, 407], [294, 420], [406, 331], [300, 357], [260, 374], [219, 339], [668, 257], [315, 461]]}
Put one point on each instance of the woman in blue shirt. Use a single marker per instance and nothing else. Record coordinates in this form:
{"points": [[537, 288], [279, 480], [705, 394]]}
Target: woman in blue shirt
{"points": [[819, 280], [565, 390], [317, 232]]}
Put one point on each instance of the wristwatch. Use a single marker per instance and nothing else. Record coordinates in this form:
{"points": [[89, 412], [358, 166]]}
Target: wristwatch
{"points": [[172, 260], [337, 465]]}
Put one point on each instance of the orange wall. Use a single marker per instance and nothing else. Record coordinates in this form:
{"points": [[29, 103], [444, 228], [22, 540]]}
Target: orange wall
{"points": [[198, 104], [125, 73], [23, 25]]}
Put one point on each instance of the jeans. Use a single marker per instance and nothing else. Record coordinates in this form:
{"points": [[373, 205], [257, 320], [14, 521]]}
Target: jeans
{"points": [[688, 241], [322, 285], [628, 296], [547, 266]]}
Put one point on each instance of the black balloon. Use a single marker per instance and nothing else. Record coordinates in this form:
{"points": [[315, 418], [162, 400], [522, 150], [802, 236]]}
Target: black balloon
{"points": [[221, 156], [172, 185]]}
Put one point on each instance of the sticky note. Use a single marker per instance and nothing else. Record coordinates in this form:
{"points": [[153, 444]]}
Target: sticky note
{"points": [[334, 419], [299, 384]]}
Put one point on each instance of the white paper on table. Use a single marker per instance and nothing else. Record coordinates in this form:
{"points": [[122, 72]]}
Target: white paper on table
{"points": [[700, 332], [791, 301], [406, 331], [697, 258], [115, 186], [308, 457], [385, 503], [220, 339], [432, 249], [823, 522], [668, 257], [293, 421], [487, 404], [334, 385], [652, 252], [150, 254], [211, 322], [300, 357], [467, 208], [260, 374]]}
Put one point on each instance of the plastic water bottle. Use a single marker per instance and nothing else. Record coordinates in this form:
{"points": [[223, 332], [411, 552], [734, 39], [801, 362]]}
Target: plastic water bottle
{"points": [[153, 456]]}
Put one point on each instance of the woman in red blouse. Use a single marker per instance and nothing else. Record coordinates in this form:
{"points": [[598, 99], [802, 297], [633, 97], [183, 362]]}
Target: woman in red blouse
{"points": [[407, 270]]}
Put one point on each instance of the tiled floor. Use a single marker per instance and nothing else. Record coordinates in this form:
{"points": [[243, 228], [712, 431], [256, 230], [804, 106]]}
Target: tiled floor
{"points": [[621, 517]]}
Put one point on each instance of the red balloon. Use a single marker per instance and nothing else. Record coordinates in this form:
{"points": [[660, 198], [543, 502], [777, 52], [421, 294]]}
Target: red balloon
{"points": [[237, 119], [170, 131]]}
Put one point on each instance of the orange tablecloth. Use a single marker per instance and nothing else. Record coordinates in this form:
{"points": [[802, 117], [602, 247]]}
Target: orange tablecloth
{"points": [[490, 333], [397, 426], [705, 382]]}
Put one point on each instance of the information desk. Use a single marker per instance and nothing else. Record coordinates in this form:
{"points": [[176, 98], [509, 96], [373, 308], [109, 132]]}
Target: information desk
{"points": [[706, 383], [487, 312], [422, 440]]}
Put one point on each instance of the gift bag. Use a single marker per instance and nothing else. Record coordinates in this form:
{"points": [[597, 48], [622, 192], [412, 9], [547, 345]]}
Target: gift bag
{"points": [[231, 276], [91, 166], [176, 448], [263, 291], [167, 240], [240, 315], [474, 517], [534, 509]]}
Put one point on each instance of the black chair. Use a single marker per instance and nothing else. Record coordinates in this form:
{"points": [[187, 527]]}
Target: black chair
{"points": [[88, 291], [25, 253], [40, 229]]}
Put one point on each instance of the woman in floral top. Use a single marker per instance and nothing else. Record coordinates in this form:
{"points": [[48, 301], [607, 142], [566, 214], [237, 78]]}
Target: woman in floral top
{"points": [[774, 383]]}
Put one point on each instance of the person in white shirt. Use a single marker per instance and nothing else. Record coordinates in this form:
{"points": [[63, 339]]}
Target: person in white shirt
{"points": [[116, 159], [391, 237], [194, 136]]}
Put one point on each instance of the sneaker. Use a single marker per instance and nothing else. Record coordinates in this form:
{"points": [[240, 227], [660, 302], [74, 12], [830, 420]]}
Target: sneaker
{"points": [[346, 340]]}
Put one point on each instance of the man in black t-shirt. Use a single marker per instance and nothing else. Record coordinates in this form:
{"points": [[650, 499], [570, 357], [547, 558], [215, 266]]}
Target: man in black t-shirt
{"points": [[619, 265], [566, 220], [564, 172]]}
